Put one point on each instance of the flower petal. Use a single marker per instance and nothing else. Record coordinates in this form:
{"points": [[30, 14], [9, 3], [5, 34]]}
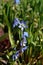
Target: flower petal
{"points": [[16, 22], [24, 48], [26, 34]]}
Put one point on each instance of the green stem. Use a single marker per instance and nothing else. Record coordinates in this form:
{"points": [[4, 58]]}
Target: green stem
{"points": [[11, 37], [9, 29]]}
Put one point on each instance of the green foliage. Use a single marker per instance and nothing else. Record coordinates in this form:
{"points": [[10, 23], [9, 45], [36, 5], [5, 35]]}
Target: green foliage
{"points": [[30, 11]]}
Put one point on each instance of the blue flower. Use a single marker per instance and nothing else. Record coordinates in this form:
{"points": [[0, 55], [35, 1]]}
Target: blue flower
{"points": [[25, 34], [16, 55], [17, 51], [24, 48], [23, 42], [16, 22], [22, 25]]}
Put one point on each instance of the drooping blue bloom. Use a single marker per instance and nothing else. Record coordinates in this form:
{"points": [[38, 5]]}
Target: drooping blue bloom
{"points": [[22, 44], [25, 34], [22, 25], [24, 48], [17, 51], [16, 22], [16, 55], [23, 41]]}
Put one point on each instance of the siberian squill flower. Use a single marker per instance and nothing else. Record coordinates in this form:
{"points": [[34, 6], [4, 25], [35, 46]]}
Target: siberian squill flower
{"points": [[24, 48], [22, 25], [23, 42], [25, 34], [16, 55], [16, 22]]}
